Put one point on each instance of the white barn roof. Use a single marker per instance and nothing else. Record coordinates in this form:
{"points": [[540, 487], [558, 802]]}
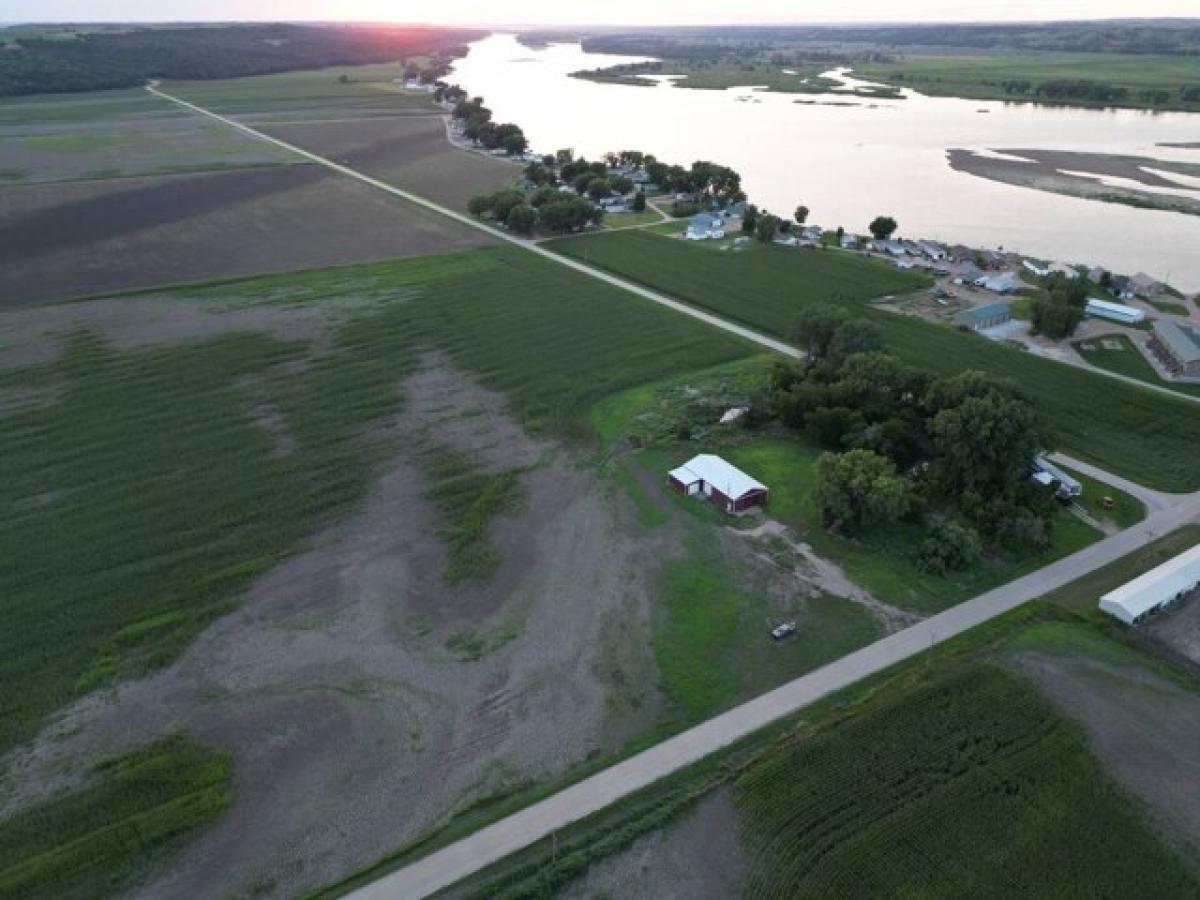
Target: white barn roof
{"points": [[1160, 585], [716, 472], [1118, 311]]}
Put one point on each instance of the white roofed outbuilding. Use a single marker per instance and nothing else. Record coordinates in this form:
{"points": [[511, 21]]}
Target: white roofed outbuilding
{"points": [[1135, 600], [724, 484]]}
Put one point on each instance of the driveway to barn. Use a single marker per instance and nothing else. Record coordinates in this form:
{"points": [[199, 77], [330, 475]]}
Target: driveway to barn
{"points": [[476, 851]]}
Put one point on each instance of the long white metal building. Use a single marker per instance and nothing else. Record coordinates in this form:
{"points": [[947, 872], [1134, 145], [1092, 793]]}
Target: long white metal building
{"points": [[1135, 600]]}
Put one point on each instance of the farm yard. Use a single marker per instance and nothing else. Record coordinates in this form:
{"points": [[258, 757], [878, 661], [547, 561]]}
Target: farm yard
{"points": [[1143, 435]]}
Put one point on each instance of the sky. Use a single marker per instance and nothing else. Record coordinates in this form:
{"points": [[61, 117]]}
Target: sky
{"points": [[573, 12]]}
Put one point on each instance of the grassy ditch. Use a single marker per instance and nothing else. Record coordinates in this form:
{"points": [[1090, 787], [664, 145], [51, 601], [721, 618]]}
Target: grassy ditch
{"points": [[1148, 437]]}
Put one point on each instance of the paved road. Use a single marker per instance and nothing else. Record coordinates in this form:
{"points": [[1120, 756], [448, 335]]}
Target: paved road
{"points": [[491, 844], [655, 297], [1154, 500]]}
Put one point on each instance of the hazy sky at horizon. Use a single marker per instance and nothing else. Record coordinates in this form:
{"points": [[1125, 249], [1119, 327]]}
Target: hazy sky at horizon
{"points": [[569, 12]]}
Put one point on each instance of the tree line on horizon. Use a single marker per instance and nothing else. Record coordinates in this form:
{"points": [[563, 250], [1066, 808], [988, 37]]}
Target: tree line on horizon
{"points": [[106, 60]]}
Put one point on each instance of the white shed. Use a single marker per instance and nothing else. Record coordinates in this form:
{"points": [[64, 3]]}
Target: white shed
{"points": [[1114, 312], [1135, 600]]}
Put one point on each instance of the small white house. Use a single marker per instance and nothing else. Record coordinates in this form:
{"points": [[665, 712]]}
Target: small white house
{"points": [[1134, 601], [936, 252], [1114, 312], [705, 227], [1037, 267]]}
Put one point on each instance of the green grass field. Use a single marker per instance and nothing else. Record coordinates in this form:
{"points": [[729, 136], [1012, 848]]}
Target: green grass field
{"points": [[367, 88], [981, 76], [1145, 436], [712, 643], [1125, 511], [1083, 595], [625, 220], [87, 842], [42, 109], [971, 785], [1127, 361], [144, 498]]}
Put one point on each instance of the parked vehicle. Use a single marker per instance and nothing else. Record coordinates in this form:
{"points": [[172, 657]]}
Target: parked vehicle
{"points": [[779, 632]]}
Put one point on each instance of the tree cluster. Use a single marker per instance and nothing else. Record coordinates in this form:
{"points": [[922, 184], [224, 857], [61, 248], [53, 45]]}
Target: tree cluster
{"points": [[1059, 309], [479, 127], [131, 57], [546, 209], [902, 443]]}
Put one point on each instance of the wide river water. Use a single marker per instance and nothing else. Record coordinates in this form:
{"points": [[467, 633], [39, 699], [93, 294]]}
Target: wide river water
{"points": [[851, 163]]}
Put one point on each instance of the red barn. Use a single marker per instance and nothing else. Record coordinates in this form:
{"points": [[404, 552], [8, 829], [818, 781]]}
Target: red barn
{"points": [[723, 484]]}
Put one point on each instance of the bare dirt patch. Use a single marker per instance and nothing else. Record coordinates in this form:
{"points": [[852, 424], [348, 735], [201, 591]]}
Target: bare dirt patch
{"points": [[353, 717], [412, 153], [78, 238], [1082, 174], [1143, 727], [813, 575], [697, 857], [1178, 629]]}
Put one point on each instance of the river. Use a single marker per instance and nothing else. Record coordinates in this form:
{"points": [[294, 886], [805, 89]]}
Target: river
{"points": [[851, 163]]}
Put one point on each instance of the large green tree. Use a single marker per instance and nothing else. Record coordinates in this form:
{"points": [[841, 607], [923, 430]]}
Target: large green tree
{"points": [[883, 227], [858, 489]]}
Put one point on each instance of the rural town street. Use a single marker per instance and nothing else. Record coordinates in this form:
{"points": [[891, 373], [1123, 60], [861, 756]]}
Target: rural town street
{"points": [[490, 844]]}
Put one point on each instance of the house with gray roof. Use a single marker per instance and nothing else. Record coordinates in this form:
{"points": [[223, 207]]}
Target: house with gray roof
{"points": [[705, 226]]}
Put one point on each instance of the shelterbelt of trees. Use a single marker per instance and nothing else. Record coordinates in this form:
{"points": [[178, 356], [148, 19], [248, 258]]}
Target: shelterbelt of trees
{"points": [[122, 59], [950, 454]]}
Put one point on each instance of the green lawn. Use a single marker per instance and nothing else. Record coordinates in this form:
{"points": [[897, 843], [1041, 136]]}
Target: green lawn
{"points": [[712, 643], [1148, 437], [626, 219], [88, 842], [145, 497], [1126, 510], [884, 560], [1127, 361], [971, 785], [983, 76]]}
